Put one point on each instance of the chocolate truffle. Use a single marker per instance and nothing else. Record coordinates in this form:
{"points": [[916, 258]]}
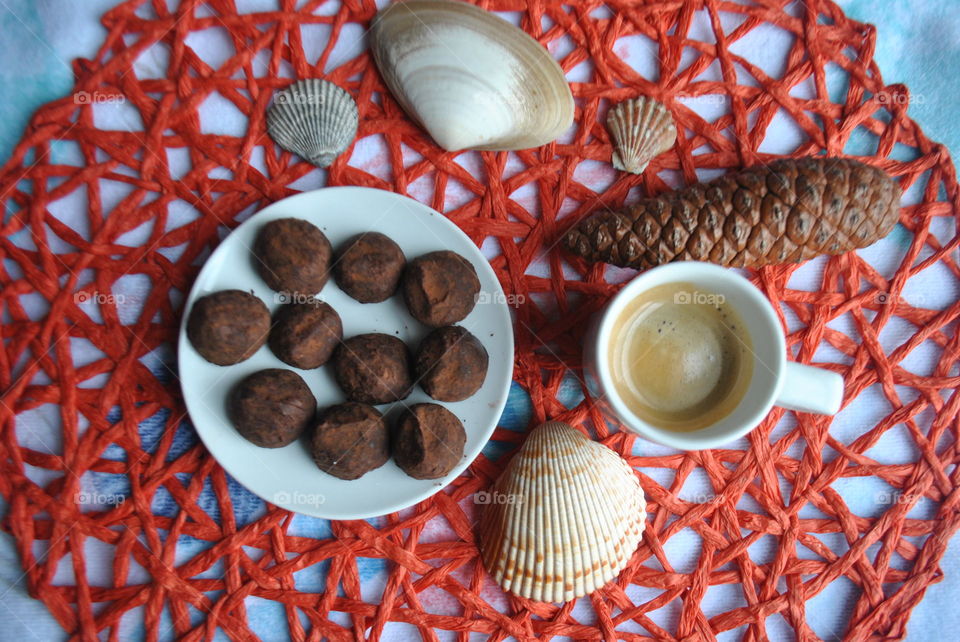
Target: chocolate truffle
{"points": [[272, 407], [292, 256], [227, 327], [440, 288], [373, 368], [350, 440], [304, 335], [428, 441], [451, 364], [369, 268]]}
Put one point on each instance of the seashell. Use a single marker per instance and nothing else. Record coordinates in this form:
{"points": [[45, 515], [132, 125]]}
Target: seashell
{"points": [[563, 519], [641, 129], [470, 78], [315, 119]]}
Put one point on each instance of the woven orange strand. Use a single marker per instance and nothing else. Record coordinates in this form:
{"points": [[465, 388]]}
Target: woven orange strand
{"points": [[549, 328]]}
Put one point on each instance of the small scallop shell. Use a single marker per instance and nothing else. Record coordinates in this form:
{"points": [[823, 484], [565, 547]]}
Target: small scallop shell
{"points": [[563, 519], [315, 119], [641, 129]]}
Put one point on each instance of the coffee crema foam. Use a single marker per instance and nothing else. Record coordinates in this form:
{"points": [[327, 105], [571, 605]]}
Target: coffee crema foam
{"points": [[680, 357]]}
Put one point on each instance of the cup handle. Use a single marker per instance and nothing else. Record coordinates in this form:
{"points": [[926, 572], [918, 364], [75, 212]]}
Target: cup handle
{"points": [[809, 389]]}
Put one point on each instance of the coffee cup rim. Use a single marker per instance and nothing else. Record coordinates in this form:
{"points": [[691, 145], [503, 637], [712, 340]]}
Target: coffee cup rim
{"points": [[681, 271]]}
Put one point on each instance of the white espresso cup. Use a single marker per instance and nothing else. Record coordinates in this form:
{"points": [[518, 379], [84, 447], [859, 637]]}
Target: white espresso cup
{"points": [[774, 381]]}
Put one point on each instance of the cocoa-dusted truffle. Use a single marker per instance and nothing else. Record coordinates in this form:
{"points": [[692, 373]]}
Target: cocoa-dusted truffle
{"points": [[272, 407], [304, 335], [227, 327], [428, 441], [350, 440], [292, 256], [451, 364], [373, 368], [440, 288], [369, 267]]}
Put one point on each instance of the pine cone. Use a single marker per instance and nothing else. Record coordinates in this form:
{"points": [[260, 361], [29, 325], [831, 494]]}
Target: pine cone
{"points": [[790, 210]]}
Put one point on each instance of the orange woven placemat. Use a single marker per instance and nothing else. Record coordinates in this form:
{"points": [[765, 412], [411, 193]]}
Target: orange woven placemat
{"points": [[102, 403]]}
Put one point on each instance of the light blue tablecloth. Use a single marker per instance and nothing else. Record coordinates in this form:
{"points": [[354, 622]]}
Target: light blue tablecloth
{"points": [[918, 44]]}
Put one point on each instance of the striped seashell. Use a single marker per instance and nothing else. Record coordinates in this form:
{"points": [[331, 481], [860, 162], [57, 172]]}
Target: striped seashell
{"points": [[315, 119], [564, 517], [469, 77], [641, 129]]}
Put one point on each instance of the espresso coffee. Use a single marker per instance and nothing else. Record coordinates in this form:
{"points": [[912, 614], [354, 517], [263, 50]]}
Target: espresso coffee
{"points": [[680, 357]]}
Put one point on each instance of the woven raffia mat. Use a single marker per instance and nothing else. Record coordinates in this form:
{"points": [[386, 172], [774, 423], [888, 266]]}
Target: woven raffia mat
{"points": [[779, 487]]}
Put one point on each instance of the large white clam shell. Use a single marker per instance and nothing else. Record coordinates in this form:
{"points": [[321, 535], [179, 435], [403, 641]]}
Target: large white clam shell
{"points": [[641, 129], [563, 519], [470, 78], [315, 119]]}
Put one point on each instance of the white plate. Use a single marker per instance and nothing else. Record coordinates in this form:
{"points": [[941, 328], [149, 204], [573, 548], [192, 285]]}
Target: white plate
{"points": [[287, 476]]}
